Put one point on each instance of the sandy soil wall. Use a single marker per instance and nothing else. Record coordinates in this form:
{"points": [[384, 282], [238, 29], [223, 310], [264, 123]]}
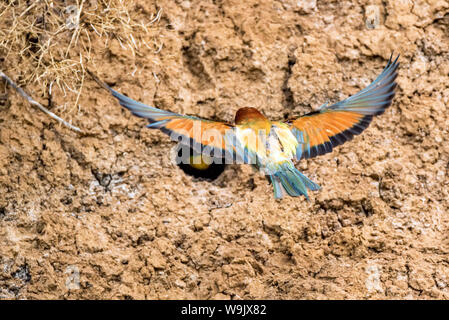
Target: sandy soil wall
{"points": [[107, 215]]}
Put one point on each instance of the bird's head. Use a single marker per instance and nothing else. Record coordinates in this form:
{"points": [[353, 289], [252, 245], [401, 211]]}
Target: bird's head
{"points": [[248, 114]]}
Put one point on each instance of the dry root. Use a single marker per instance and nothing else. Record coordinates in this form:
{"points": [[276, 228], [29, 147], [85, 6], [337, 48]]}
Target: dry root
{"points": [[49, 43]]}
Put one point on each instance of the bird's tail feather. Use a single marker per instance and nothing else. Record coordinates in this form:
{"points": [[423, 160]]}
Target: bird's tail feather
{"points": [[286, 177]]}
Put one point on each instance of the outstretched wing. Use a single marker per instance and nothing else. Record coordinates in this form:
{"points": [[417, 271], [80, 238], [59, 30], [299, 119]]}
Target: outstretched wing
{"points": [[192, 131], [320, 131]]}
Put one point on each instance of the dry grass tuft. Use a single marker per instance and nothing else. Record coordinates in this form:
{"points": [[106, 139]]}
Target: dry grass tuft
{"points": [[50, 43]]}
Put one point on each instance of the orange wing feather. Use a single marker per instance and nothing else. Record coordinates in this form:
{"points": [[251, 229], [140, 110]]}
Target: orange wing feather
{"points": [[320, 131], [188, 130], [206, 132]]}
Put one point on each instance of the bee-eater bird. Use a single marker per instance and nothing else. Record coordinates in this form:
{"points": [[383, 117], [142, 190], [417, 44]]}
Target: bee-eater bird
{"points": [[269, 145]]}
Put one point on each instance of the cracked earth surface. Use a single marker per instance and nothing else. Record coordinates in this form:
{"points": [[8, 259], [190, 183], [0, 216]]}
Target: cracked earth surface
{"points": [[109, 209]]}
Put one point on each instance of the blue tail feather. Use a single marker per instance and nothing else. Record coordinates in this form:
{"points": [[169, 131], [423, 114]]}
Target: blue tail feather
{"points": [[276, 187], [291, 180]]}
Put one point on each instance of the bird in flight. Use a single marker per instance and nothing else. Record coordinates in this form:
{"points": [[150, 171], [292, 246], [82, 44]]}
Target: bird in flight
{"points": [[272, 146]]}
